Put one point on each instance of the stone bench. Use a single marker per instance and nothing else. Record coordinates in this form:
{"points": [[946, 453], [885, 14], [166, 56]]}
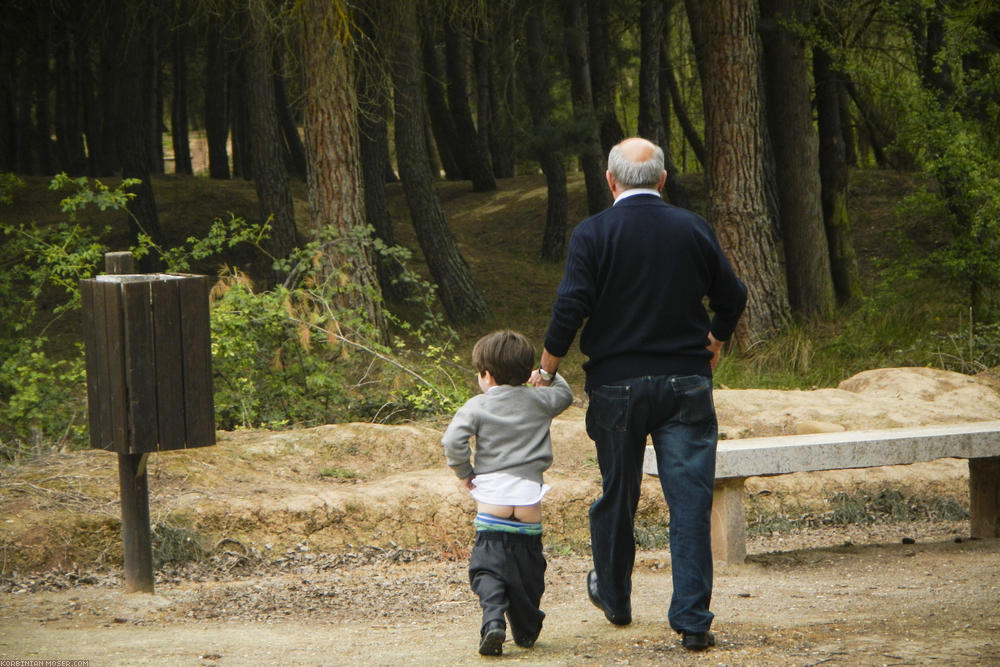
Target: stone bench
{"points": [[978, 442]]}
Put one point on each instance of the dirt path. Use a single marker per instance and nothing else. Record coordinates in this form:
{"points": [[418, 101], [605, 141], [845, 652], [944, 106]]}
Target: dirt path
{"points": [[933, 602]]}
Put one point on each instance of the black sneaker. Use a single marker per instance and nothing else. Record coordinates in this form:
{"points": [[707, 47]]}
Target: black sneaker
{"points": [[493, 636], [620, 618], [697, 641]]}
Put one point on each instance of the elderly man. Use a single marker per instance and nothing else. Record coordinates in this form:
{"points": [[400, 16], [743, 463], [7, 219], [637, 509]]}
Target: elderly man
{"points": [[635, 279]]}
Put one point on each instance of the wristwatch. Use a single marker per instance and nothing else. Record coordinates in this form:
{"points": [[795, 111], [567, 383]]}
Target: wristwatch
{"points": [[545, 375]]}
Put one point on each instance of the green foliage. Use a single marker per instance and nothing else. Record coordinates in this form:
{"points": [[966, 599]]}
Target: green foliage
{"points": [[42, 386], [10, 184], [298, 353], [92, 193]]}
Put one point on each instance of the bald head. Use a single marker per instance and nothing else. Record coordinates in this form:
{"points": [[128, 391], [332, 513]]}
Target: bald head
{"points": [[636, 163]]}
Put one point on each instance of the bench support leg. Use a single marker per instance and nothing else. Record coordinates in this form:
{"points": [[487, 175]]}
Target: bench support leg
{"points": [[728, 521], [984, 497]]}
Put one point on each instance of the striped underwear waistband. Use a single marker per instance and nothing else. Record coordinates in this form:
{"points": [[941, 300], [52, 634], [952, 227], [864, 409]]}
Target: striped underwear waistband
{"points": [[488, 522]]}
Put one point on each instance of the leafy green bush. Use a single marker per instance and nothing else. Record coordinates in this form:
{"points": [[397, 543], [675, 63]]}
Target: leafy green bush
{"points": [[290, 355]]}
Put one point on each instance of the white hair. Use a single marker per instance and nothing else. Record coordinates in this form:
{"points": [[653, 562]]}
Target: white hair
{"points": [[636, 174]]}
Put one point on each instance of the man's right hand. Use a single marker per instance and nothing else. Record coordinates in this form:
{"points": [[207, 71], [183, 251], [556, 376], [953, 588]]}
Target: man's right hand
{"points": [[715, 347]]}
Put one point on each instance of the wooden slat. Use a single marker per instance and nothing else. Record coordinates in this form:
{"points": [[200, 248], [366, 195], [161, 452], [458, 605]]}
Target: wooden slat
{"points": [[110, 294], [169, 364], [140, 367], [199, 405], [95, 354]]}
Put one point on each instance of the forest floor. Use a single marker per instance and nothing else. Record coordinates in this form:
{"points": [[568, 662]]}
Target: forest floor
{"points": [[298, 567]]}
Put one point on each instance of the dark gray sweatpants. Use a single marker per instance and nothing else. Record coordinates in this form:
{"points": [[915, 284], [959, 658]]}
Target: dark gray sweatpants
{"points": [[507, 572]]}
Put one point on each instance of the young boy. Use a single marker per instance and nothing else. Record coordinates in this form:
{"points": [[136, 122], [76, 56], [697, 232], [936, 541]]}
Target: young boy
{"points": [[510, 422]]}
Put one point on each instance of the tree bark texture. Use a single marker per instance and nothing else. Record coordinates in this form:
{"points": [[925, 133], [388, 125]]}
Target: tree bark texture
{"points": [[179, 104], [680, 110], [477, 155], [502, 54], [833, 179], [737, 207], [602, 82], [134, 154], [267, 150], [650, 121], [334, 181], [442, 123], [546, 143], [295, 150], [592, 160], [458, 294], [373, 88], [216, 102], [796, 157]]}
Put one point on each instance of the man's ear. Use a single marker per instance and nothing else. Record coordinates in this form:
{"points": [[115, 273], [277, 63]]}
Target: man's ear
{"points": [[611, 181], [663, 179]]}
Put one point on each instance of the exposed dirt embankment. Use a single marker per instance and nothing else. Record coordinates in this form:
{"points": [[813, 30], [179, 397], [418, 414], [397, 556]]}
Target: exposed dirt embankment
{"points": [[338, 487]]}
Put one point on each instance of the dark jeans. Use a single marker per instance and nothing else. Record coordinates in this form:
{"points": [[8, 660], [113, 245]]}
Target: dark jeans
{"points": [[679, 414], [507, 572]]}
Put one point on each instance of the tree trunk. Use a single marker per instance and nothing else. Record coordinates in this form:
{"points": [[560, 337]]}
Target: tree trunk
{"points": [[796, 157], [334, 182], [442, 123], [69, 106], [458, 294], [833, 179], [137, 65], [592, 160], [501, 57], [650, 120], [477, 155], [216, 102], [42, 130], [274, 196], [295, 150], [239, 103], [735, 139], [546, 142], [373, 134], [8, 89], [680, 110], [602, 82], [179, 104]]}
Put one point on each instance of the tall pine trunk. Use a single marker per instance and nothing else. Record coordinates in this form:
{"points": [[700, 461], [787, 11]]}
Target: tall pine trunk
{"points": [[216, 102], [179, 103], [592, 160], [334, 182], [601, 78], [536, 80], [833, 178], [477, 154], [735, 140], [458, 294], [274, 196], [796, 157]]}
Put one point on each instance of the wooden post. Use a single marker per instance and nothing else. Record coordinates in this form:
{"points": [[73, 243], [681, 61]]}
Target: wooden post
{"points": [[984, 497], [728, 521], [134, 486]]}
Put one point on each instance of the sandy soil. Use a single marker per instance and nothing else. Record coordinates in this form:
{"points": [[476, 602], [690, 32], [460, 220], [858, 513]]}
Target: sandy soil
{"points": [[368, 567]]}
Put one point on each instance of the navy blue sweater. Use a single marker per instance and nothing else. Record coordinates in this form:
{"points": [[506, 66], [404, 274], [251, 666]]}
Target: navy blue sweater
{"points": [[636, 278]]}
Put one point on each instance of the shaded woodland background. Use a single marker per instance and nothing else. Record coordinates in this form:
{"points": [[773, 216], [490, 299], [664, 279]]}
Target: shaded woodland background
{"points": [[764, 109]]}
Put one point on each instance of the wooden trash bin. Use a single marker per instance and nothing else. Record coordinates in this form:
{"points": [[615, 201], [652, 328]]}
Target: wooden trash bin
{"points": [[149, 362]]}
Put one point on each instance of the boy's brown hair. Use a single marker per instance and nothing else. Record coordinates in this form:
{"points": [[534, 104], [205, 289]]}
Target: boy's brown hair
{"points": [[507, 355]]}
